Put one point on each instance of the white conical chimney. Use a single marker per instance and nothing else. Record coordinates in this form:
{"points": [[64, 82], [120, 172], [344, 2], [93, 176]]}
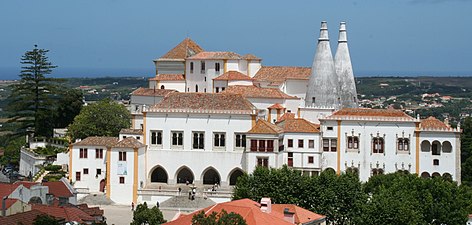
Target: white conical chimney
{"points": [[342, 60], [323, 84]]}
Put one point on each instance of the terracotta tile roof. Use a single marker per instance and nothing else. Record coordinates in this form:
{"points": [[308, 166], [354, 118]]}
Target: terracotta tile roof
{"points": [[257, 92], [97, 141], [299, 125], [301, 215], [251, 57], [248, 209], [276, 106], [151, 92], [168, 77], [25, 218], [366, 114], [92, 211], [6, 189], [204, 103], [432, 123], [279, 74], [58, 189], [264, 127], [183, 50], [68, 213], [9, 202], [131, 131], [233, 75], [216, 55], [129, 142], [286, 116], [26, 184]]}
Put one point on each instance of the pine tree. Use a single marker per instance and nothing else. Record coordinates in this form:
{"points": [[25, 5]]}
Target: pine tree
{"points": [[31, 107]]}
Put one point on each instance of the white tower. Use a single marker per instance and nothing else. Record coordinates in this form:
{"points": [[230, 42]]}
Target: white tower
{"points": [[342, 60]]}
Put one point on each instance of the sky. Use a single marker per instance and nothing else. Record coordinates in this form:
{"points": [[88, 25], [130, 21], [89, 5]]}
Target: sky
{"points": [[118, 37]]}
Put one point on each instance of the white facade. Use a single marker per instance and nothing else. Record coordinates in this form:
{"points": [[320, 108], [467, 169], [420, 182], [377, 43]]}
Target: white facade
{"points": [[88, 170]]}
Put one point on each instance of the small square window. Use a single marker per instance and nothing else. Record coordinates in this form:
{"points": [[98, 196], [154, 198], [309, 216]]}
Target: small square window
{"points": [[99, 171], [436, 162], [122, 180], [290, 143], [85, 171], [329, 128], [300, 143], [311, 159], [311, 143]]}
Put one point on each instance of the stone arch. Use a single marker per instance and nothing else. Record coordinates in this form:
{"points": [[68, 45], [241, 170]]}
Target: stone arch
{"points": [[425, 146], [184, 175], [447, 176], [436, 174], [35, 200], [158, 175], [162, 87], [447, 147], [436, 148], [329, 170], [234, 174], [425, 175], [211, 176]]}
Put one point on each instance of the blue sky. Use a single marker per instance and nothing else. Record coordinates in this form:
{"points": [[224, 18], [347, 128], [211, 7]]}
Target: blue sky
{"points": [[397, 37]]}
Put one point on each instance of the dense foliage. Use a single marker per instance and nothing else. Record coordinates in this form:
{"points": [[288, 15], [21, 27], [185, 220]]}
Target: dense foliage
{"points": [[147, 216], [397, 198], [222, 218], [104, 118], [466, 151], [45, 220]]}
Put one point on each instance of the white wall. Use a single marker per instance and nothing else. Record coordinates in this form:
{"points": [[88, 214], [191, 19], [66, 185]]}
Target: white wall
{"points": [[296, 88], [172, 85], [90, 181]]}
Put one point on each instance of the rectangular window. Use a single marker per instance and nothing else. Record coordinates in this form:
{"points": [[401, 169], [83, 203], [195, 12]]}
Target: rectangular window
{"points": [[311, 143], [240, 140], [270, 145], [253, 145], [311, 159], [262, 145], [330, 144], [290, 143], [217, 68], [353, 142], [219, 140], [378, 145], [85, 171], [334, 145], [326, 145], [290, 159], [300, 143], [191, 67], [122, 180], [223, 88], [202, 63], [329, 128], [264, 162], [77, 176], [121, 156], [198, 141], [177, 138], [217, 89], [403, 144], [156, 137], [99, 153], [99, 171], [83, 153]]}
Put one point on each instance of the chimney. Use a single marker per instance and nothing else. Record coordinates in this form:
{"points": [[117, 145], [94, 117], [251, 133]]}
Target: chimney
{"points": [[289, 216], [342, 62], [266, 205]]}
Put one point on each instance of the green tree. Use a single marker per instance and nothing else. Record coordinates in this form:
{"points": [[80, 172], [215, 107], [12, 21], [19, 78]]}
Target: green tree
{"points": [[147, 216], [12, 149], [466, 151], [45, 220], [104, 118], [68, 107], [30, 105], [222, 218]]}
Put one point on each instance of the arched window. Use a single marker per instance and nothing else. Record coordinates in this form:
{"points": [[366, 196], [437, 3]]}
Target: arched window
{"points": [[436, 148], [447, 147], [376, 172], [425, 175], [425, 146], [353, 170], [184, 175], [234, 176], [447, 176], [211, 176], [352, 142], [403, 144], [196, 88], [159, 175], [162, 87], [378, 145]]}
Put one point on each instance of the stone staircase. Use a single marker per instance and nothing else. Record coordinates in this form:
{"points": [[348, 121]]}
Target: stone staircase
{"points": [[183, 203]]}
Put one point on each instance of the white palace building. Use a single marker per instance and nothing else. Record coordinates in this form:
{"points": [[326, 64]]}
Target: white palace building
{"points": [[208, 117]]}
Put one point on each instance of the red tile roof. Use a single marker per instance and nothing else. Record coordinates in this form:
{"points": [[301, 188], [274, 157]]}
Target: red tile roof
{"points": [[257, 92], [183, 50], [366, 113], [264, 127], [251, 212], [151, 92], [285, 116], [299, 125], [92, 211], [68, 213], [9, 202], [25, 218], [131, 131], [276, 106], [129, 142], [251, 57], [279, 74], [168, 77], [301, 215], [26, 184], [233, 75], [216, 55], [97, 141], [6, 189], [433, 123], [58, 189], [204, 103]]}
